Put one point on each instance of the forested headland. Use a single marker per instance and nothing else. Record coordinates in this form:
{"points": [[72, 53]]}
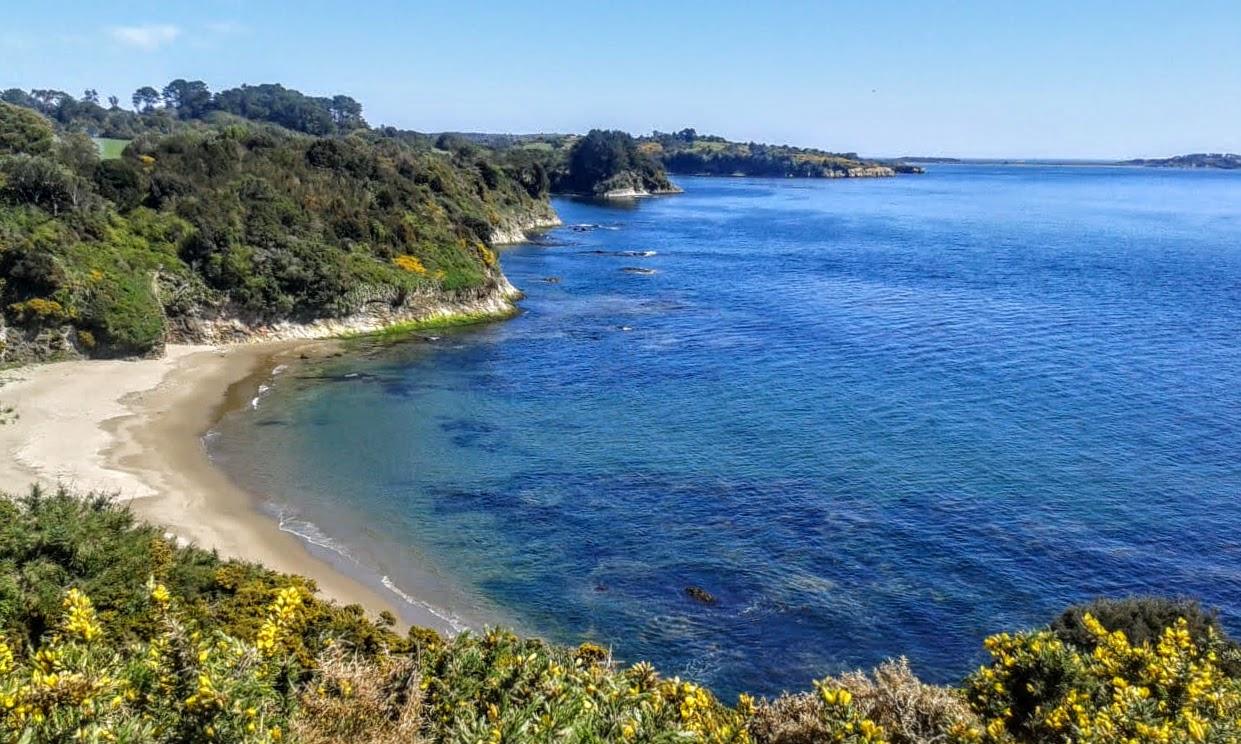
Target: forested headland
{"points": [[691, 153], [121, 229]]}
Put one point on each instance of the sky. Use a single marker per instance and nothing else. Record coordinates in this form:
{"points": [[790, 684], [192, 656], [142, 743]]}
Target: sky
{"points": [[967, 79]]}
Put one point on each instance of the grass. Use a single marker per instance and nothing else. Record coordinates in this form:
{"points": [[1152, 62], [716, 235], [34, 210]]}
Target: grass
{"points": [[454, 320], [110, 148]]}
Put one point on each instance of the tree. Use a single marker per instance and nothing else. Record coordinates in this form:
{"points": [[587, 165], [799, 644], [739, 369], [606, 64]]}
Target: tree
{"points": [[145, 99], [346, 113], [48, 101], [189, 98], [114, 102], [24, 131], [32, 179], [18, 97], [90, 95]]}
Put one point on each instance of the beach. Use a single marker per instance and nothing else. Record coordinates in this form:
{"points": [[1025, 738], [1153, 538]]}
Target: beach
{"points": [[133, 430]]}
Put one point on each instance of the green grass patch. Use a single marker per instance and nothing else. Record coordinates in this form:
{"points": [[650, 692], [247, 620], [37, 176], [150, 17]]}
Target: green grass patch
{"points": [[110, 148]]}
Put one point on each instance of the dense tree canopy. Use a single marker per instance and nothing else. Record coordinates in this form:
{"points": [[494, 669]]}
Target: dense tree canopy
{"points": [[187, 101], [236, 217], [610, 160]]}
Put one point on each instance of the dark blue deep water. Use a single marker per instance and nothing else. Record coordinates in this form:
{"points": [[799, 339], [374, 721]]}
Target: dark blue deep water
{"points": [[873, 418]]}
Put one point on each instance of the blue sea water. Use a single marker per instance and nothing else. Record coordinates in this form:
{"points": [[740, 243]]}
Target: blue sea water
{"points": [[872, 417]]}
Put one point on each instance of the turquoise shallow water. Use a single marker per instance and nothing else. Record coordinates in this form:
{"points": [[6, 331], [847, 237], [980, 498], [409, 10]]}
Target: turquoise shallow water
{"points": [[872, 417]]}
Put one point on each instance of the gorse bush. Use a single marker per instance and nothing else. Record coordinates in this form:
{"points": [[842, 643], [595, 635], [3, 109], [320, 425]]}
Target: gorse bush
{"points": [[51, 542], [1167, 690], [110, 632]]}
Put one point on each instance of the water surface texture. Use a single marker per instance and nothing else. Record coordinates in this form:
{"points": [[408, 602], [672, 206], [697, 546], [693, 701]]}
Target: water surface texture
{"points": [[872, 417]]}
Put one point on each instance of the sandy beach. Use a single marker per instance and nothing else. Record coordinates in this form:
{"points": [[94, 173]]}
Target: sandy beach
{"points": [[133, 429]]}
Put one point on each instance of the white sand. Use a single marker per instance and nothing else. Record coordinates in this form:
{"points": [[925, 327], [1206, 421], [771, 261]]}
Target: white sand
{"points": [[133, 429]]}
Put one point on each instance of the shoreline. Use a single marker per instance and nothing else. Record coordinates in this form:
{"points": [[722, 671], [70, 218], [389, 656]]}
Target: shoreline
{"points": [[136, 430]]}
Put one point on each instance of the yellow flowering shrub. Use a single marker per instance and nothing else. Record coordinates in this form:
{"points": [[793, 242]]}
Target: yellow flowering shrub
{"points": [[410, 263], [1037, 688], [487, 255], [39, 308], [177, 685]]}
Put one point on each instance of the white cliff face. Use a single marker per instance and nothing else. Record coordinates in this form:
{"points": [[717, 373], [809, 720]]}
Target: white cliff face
{"points": [[377, 309], [515, 229]]}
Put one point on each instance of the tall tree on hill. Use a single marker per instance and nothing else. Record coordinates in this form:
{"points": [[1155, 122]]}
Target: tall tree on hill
{"points": [[189, 98], [145, 99], [346, 113]]}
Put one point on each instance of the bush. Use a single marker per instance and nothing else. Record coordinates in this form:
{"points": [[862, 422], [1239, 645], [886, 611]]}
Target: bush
{"points": [[24, 131], [50, 542], [1143, 620], [1038, 688], [366, 701]]}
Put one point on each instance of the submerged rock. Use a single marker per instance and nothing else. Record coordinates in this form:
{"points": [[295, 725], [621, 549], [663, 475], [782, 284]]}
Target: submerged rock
{"points": [[698, 594], [638, 270]]}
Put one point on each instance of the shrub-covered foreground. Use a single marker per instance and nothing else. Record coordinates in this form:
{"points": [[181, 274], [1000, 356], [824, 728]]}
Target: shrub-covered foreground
{"points": [[112, 633]]}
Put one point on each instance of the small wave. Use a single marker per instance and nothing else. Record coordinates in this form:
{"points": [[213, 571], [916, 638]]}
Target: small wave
{"points": [[254, 402], [278, 369], [312, 534], [453, 622]]}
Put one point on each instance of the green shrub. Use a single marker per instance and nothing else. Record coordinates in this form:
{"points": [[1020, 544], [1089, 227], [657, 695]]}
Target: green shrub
{"points": [[24, 131], [1144, 620]]}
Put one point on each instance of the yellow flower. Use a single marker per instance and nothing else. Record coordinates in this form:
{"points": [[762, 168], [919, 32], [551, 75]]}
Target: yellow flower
{"points": [[160, 594], [81, 620]]}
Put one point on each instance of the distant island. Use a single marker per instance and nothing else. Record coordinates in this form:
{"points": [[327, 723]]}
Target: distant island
{"points": [[927, 159], [1221, 161], [688, 153]]}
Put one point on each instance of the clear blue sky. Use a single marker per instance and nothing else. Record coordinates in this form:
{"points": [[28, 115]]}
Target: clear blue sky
{"points": [[1050, 78]]}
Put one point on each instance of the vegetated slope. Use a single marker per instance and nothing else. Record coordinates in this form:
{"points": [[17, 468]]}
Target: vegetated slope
{"points": [[688, 152], [111, 632], [229, 225], [601, 163]]}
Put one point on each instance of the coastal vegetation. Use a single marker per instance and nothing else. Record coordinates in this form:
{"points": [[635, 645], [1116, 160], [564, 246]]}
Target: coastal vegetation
{"points": [[112, 632], [688, 152], [611, 162], [1222, 161], [258, 204]]}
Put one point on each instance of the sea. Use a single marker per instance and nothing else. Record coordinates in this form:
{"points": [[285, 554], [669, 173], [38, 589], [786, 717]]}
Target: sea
{"points": [[868, 418]]}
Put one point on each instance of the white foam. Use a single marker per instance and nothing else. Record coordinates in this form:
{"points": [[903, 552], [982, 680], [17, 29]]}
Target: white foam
{"points": [[310, 532], [313, 535], [254, 402], [454, 622]]}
